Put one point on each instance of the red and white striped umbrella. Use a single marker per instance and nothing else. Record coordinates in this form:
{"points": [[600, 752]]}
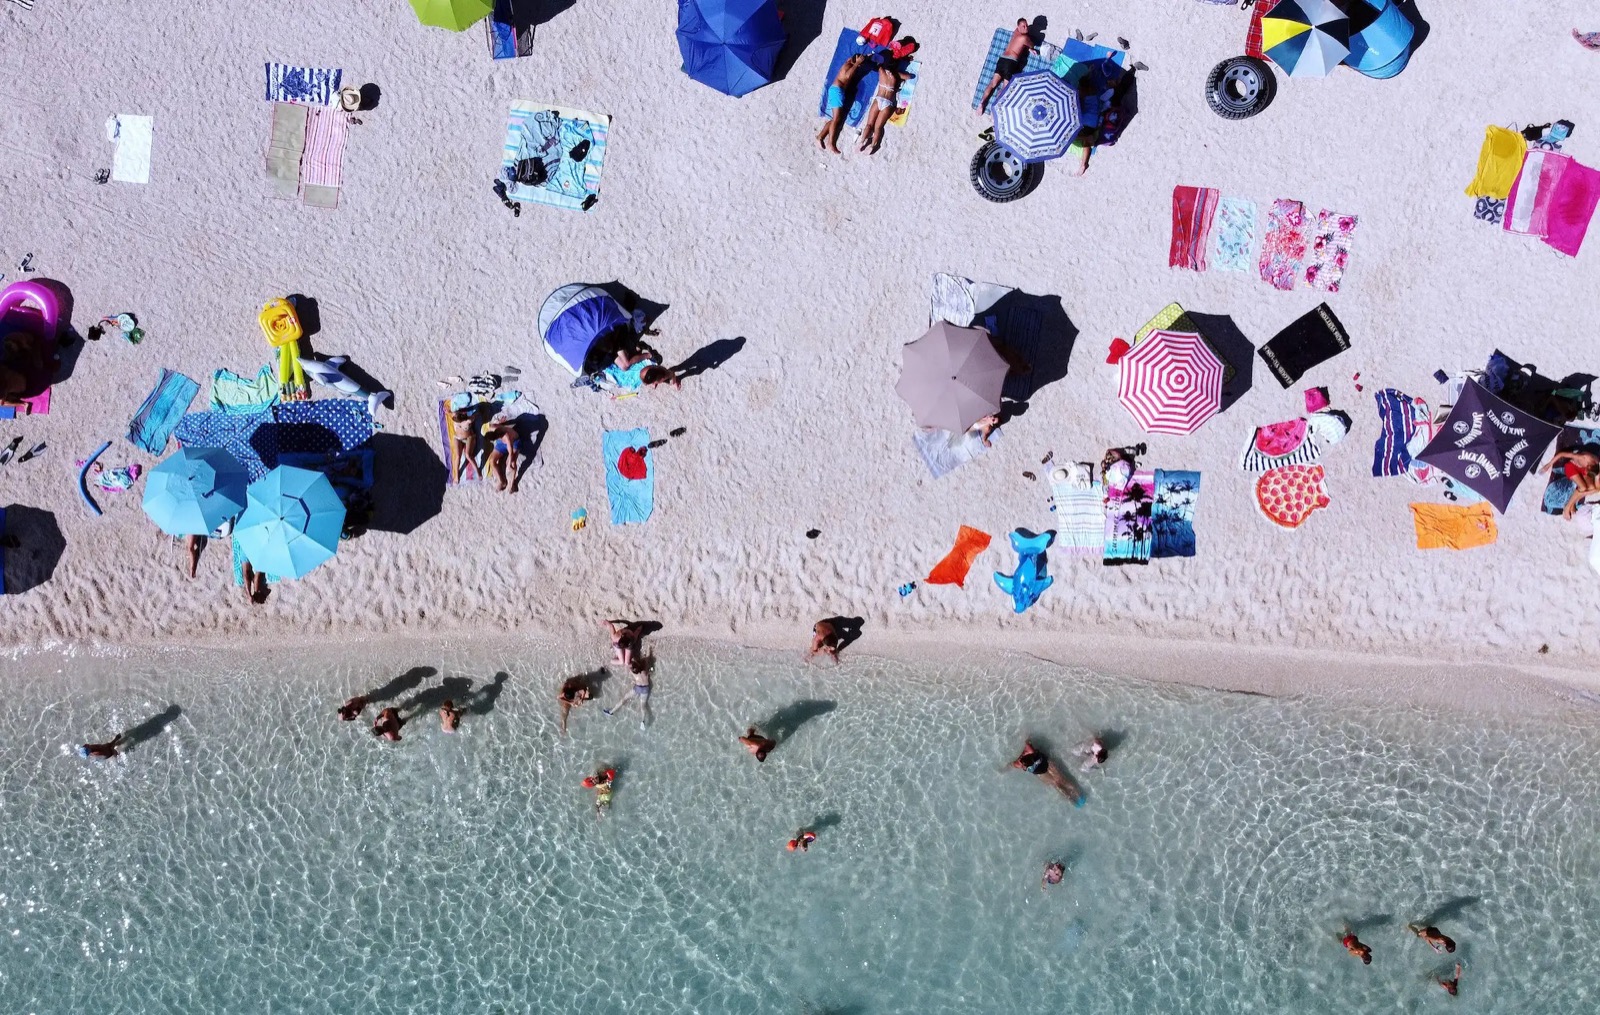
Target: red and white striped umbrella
{"points": [[1171, 382]]}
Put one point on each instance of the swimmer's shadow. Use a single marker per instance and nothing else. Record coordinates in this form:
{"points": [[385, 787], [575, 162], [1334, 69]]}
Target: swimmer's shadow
{"points": [[823, 822], [1448, 910], [458, 691], [150, 728], [401, 684], [786, 721]]}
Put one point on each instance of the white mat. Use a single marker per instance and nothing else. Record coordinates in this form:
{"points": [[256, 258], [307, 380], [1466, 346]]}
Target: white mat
{"points": [[130, 163]]}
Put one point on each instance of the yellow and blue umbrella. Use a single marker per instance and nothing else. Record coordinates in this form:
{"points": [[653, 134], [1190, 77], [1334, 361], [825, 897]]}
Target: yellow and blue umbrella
{"points": [[292, 522], [1037, 116], [195, 491], [1307, 38]]}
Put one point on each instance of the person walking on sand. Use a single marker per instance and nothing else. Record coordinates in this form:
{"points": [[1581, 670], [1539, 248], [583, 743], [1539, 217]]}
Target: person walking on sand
{"points": [[1353, 945], [351, 710], [756, 744], [574, 692], [388, 725], [105, 750], [838, 107], [1453, 984], [255, 584], [1436, 938], [449, 716], [1011, 62], [825, 640]]}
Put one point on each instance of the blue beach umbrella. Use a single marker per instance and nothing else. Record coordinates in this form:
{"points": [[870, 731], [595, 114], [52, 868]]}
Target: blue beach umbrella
{"points": [[1037, 116], [292, 522], [731, 45], [194, 491]]}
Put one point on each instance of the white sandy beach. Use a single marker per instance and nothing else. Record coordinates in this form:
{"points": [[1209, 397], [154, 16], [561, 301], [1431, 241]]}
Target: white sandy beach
{"points": [[726, 211]]}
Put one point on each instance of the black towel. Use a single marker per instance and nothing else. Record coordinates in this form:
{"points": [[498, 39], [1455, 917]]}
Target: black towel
{"points": [[1315, 337]]}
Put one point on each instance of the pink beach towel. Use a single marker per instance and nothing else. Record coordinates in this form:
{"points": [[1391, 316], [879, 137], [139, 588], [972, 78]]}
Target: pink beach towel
{"points": [[1572, 207], [1528, 206], [1283, 250], [1330, 250], [322, 166], [1192, 212]]}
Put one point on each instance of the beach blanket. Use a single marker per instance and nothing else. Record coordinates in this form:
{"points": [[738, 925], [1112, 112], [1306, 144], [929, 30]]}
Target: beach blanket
{"points": [[1289, 495], [1314, 337], [554, 135], [1192, 211], [322, 166], [1398, 417], [350, 472], [1329, 250], [1283, 248], [463, 470], [952, 570], [321, 426], [1233, 234], [632, 500], [1528, 204], [233, 432], [997, 48], [1453, 526], [1560, 487], [1572, 207], [161, 410], [943, 452], [231, 392], [308, 86], [1172, 513], [1079, 505], [286, 146], [1499, 162], [860, 97], [132, 135], [1128, 520], [38, 405]]}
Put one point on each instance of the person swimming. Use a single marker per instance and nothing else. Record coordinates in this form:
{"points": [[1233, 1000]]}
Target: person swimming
{"points": [[1453, 984], [387, 725], [1437, 939], [602, 782], [1095, 753], [1036, 762], [802, 840], [1353, 945], [1054, 871], [105, 750], [757, 744]]}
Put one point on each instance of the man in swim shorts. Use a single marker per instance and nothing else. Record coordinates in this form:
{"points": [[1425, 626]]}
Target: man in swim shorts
{"points": [[640, 692], [1038, 763], [105, 750], [825, 640], [388, 724], [757, 744], [352, 709], [1011, 62], [838, 107], [1353, 945]]}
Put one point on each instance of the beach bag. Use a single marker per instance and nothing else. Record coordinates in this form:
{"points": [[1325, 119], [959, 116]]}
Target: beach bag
{"points": [[532, 172]]}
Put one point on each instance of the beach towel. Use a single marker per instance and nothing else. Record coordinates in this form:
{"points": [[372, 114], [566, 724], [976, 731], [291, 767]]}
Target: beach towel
{"points": [[1290, 442], [231, 392], [322, 167], [321, 426], [1329, 251], [1499, 162], [1283, 248], [943, 452], [1490, 209], [952, 570], [161, 410], [233, 432], [1080, 512], [866, 83], [1399, 417], [997, 48], [1528, 205], [132, 135], [1314, 337], [632, 500], [1128, 520], [1453, 526], [38, 405], [308, 86], [1572, 207], [553, 135], [463, 470], [1192, 211], [907, 91], [1172, 513], [1289, 495], [286, 146], [1233, 234]]}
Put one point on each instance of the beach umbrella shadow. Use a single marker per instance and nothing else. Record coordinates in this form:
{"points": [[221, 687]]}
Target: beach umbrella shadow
{"points": [[409, 482], [803, 20], [1234, 349], [40, 545]]}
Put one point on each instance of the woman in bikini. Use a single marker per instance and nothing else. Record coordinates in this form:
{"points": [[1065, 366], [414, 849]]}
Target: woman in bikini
{"points": [[881, 110]]}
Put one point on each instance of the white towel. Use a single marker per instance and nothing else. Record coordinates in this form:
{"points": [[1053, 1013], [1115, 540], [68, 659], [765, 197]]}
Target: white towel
{"points": [[130, 162]]}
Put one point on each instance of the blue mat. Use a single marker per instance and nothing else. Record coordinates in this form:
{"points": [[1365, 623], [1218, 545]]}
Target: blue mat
{"points": [[866, 84], [160, 412], [1172, 514], [632, 500], [323, 425], [233, 432]]}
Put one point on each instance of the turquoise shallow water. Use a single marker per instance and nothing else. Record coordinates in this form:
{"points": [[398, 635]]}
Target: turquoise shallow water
{"points": [[257, 855]]}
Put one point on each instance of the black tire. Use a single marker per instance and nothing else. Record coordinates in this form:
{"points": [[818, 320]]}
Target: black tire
{"points": [[1240, 87], [1000, 176]]}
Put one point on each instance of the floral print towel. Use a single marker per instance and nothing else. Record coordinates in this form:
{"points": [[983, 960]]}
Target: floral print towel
{"points": [[1234, 234], [1329, 250], [1283, 250]]}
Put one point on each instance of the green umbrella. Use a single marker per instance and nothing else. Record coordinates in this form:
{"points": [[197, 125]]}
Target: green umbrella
{"points": [[456, 15]]}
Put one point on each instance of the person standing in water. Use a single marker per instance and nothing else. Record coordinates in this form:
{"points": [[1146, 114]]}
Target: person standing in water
{"points": [[756, 744], [351, 710], [449, 716], [640, 691], [802, 840], [1054, 871], [105, 750], [602, 784], [574, 692], [388, 725], [825, 640]]}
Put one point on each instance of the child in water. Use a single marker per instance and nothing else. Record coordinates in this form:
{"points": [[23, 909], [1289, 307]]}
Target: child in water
{"points": [[601, 782]]}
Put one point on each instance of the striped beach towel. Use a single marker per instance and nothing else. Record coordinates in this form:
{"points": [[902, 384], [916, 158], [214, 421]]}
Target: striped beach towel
{"points": [[1079, 504], [26, 5], [161, 410], [552, 134], [1192, 211], [308, 86], [1399, 415], [322, 166]]}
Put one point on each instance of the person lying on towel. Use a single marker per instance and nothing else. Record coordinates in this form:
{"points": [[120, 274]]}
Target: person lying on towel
{"points": [[1011, 62]]}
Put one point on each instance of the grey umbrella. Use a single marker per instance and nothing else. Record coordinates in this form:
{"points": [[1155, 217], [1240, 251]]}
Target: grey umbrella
{"points": [[952, 377], [1488, 444]]}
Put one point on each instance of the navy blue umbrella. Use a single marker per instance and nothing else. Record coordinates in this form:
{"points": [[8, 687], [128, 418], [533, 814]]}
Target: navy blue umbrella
{"points": [[730, 45], [1037, 116], [1488, 444]]}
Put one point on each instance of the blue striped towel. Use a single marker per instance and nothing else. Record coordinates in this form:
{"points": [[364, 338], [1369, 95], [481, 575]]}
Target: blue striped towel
{"points": [[551, 134], [158, 416], [632, 500], [308, 86]]}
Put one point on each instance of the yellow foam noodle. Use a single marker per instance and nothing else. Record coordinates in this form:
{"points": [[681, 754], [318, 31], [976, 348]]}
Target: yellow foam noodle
{"points": [[1276, 31], [1499, 162]]}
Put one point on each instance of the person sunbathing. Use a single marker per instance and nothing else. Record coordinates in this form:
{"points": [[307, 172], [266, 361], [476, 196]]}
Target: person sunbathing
{"points": [[467, 423], [1582, 467], [838, 105], [1011, 62], [638, 366], [984, 427], [1038, 763], [881, 109], [501, 433]]}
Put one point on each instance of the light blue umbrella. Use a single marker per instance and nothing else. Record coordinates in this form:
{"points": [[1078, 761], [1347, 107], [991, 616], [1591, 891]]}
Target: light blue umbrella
{"points": [[292, 522], [194, 491], [1037, 116]]}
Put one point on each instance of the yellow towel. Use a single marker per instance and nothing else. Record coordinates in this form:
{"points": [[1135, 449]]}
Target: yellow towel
{"points": [[1499, 162], [1453, 526]]}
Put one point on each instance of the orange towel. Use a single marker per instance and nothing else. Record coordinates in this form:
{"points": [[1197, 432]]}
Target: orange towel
{"points": [[952, 570], [1452, 526]]}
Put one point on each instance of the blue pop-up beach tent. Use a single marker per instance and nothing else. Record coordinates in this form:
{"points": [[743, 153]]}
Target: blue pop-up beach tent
{"points": [[731, 45]]}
